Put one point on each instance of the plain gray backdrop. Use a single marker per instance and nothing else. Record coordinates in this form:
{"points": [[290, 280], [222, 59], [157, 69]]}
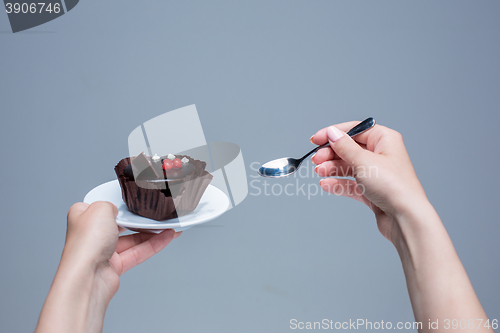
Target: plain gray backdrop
{"points": [[265, 75]]}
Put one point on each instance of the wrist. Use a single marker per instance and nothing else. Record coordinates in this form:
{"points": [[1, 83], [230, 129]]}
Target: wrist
{"points": [[77, 300], [415, 211], [85, 271], [422, 237], [77, 252], [417, 220]]}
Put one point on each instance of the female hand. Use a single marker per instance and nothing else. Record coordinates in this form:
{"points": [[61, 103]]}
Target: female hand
{"points": [[384, 176], [92, 236], [93, 259]]}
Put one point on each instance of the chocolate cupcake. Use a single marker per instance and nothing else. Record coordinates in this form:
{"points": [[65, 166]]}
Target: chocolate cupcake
{"points": [[162, 188]]}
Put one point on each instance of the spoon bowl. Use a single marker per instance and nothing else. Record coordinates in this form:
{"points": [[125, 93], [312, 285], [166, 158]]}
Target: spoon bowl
{"points": [[279, 168]]}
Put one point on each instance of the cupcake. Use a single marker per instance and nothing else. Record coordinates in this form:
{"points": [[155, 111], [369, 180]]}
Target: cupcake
{"points": [[162, 188]]}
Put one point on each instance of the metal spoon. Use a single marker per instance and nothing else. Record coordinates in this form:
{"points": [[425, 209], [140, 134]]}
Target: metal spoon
{"points": [[285, 166]]}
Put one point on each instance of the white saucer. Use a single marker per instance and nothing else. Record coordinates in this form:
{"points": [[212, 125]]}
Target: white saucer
{"points": [[213, 203]]}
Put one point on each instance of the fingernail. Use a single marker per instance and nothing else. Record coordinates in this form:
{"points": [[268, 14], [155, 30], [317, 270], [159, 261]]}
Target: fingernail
{"points": [[321, 182], [311, 139], [316, 169], [334, 133], [313, 158]]}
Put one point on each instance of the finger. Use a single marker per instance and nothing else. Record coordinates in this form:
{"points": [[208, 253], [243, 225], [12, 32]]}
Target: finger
{"points": [[116, 263], [103, 209], [327, 154], [128, 241], [344, 187], [77, 209], [346, 148], [374, 133], [121, 229], [335, 168], [322, 155], [143, 251], [320, 138]]}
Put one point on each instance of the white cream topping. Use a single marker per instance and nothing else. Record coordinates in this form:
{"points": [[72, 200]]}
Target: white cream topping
{"points": [[171, 156], [156, 158], [185, 160]]}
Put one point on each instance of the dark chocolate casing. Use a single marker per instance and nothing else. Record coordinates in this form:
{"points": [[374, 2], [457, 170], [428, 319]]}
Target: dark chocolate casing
{"points": [[159, 203]]}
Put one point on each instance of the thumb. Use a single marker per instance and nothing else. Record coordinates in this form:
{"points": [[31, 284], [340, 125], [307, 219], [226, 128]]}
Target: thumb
{"points": [[345, 147]]}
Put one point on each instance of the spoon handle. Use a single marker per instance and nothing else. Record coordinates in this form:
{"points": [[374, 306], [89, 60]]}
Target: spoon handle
{"points": [[361, 127], [358, 129]]}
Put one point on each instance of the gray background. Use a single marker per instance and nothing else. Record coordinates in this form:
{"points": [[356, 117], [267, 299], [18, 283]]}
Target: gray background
{"points": [[265, 75]]}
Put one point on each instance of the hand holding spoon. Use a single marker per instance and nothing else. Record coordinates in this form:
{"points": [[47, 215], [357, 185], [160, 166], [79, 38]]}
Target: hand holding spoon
{"points": [[285, 166]]}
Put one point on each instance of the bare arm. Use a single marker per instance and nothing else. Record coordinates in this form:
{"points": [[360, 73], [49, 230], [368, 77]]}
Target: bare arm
{"points": [[437, 282]]}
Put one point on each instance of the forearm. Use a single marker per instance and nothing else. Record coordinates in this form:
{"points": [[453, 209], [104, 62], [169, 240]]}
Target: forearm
{"points": [[76, 302], [437, 282]]}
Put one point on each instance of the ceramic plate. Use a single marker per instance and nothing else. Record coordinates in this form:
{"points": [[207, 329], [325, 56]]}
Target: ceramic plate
{"points": [[213, 203]]}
